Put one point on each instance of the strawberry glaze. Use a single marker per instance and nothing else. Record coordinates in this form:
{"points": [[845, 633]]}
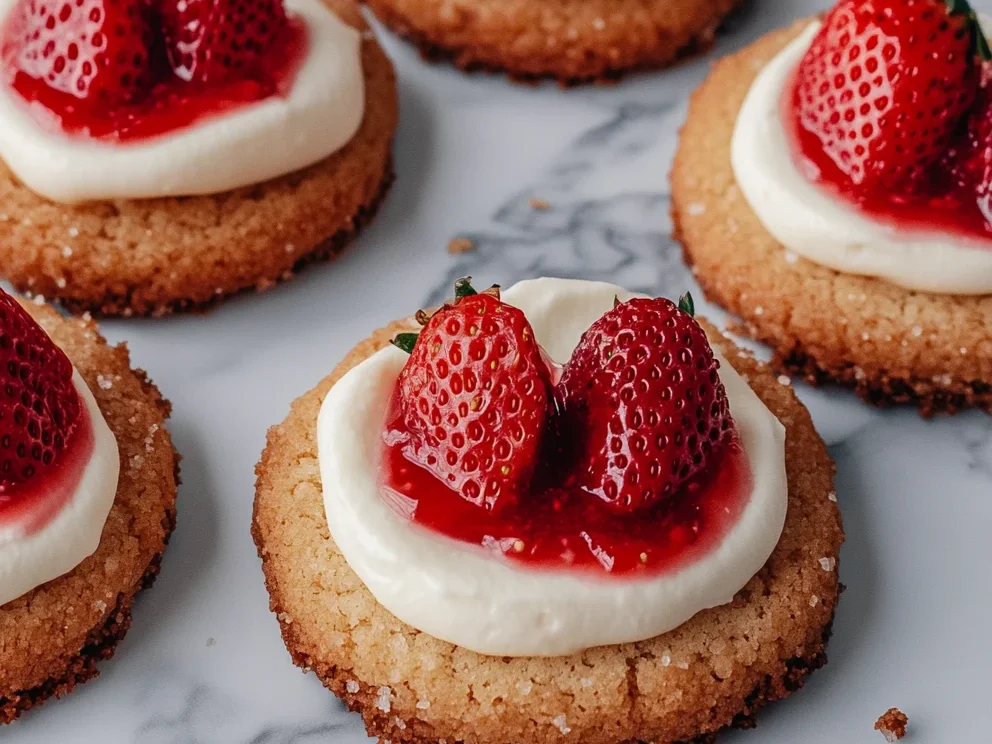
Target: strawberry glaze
{"points": [[937, 203], [30, 506], [556, 529], [171, 104]]}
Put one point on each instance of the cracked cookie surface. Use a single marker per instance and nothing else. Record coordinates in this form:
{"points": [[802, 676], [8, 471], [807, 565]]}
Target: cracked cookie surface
{"points": [[712, 672], [892, 345]]}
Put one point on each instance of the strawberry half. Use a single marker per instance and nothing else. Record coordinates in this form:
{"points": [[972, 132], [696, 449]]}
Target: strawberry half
{"points": [[884, 85], [39, 406], [96, 50], [473, 397], [967, 164], [642, 408], [210, 41]]}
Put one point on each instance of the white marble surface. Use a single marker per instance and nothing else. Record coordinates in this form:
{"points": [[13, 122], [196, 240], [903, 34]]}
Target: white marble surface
{"points": [[204, 662]]}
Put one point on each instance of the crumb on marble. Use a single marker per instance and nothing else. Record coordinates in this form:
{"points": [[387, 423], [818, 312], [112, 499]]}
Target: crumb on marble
{"points": [[539, 204], [457, 246], [892, 724]]}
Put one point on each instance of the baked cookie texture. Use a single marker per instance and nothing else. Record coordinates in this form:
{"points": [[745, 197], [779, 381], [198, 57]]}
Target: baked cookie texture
{"points": [[892, 345], [574, 41], [52, 637], [712, 672], [154, 256]]}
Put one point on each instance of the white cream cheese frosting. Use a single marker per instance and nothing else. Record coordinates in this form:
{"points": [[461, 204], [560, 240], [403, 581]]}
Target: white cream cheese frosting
{"points": [[28, 560], [247, 145], [480, 601], [815, 224]]}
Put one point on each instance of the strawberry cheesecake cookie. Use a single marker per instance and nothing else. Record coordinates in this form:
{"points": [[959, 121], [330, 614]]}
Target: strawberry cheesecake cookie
{"points": [[467, 541], [159, 156], [87, 499], [832, 188], [574, 41]]}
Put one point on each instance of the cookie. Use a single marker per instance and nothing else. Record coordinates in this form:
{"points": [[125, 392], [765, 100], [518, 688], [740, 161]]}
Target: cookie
{"points": [[574, 42], [153, 256], [712, 672], [53, 636], [892, 345]]}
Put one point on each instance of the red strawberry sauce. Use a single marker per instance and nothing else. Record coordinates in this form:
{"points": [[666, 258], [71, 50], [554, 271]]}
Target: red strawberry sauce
{"points": [[938, 204], [556, 529], [170, 105], [33, 504]]}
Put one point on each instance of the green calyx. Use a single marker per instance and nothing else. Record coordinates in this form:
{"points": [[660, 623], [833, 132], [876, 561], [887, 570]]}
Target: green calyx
{"points": [[686, 305], [463, 289], [980, 42], [405, 341]]}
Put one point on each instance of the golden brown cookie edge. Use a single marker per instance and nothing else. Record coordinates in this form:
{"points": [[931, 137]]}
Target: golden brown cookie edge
{"points": [[317, 217], [81, 665], [773, 682], [839, 359], [594, 62]]}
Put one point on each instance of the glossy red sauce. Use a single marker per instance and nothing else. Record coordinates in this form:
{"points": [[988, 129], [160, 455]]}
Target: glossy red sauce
{"points": [[940, 206], [171, 104], [572, 530], [32, 505]]}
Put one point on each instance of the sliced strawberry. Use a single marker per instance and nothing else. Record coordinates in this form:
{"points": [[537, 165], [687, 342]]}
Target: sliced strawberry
{"points": [[642, 408], [96, 50], [39, 406], [883, 87], [473, 398], [209, 41]]}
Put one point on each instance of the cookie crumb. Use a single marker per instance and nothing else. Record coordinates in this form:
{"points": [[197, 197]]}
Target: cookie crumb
{"points": [[539, 204], [892, 723], [457, 246]]}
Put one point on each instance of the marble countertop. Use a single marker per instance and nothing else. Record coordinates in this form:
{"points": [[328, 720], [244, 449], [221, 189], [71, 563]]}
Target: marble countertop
{"points": [[204, 662]]}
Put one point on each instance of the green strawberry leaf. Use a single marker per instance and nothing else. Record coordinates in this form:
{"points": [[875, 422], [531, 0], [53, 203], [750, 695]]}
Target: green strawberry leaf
{"points": [[405, 341]]}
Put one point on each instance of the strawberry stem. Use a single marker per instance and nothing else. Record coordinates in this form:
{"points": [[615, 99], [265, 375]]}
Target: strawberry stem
{"points": [[686, 305], [981, 43], [405, 341], [463, 287]]}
